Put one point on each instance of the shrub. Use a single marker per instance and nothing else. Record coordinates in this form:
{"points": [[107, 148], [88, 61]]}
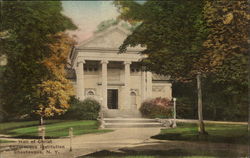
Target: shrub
{"points": [[157, 108], [83, 110]]}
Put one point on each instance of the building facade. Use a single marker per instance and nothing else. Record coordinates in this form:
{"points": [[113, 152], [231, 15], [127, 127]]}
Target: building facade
{"points": [[114, 79]]}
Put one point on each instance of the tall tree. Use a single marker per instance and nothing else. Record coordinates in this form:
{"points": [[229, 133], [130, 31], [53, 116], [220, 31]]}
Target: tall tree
{"points": [[228, 42], [227, 46], [30, 27], [54, 94], [173, 33]]}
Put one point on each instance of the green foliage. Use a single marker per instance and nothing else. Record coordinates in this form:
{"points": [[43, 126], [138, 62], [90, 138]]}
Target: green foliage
{"points": [[225, 101], [83, 110], [172, 31], [185, 37], [227, 46], [157, 108], [30, 30], [106, 24]]}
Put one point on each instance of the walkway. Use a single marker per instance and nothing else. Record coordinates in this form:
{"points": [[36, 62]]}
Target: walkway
{"points": [[89, 143]]}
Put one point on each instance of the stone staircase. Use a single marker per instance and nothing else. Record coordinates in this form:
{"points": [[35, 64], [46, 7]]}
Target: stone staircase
{"points": [[125, 113], [130, 123]]}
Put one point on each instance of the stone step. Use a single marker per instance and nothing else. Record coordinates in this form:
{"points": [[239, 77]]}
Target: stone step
{"points": [[131, 125], [121, 113], [130, 122]]}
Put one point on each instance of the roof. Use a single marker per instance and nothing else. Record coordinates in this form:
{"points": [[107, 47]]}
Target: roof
{"points": [[106, 41]]}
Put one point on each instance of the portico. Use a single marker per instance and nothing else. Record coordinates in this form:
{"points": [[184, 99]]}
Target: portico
{"points": [[114, 79], [111, 75]]}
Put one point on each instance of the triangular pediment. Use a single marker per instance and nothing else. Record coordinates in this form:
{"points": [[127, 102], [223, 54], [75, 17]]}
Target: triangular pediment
{"points": [[111, 38]]}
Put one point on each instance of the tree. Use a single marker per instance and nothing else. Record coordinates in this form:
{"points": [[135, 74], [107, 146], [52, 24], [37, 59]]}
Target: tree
{"points": [[173, 33], [228, 42], [227, 46], [54, 93], [31, 27]]}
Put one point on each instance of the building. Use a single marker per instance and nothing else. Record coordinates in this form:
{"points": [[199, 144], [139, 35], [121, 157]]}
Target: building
{"points": [[115, 79]]}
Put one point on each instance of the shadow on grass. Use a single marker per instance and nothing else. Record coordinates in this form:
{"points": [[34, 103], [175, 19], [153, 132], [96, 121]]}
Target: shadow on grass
{"points": [[240, 139], [217, 133], [129, 153]]}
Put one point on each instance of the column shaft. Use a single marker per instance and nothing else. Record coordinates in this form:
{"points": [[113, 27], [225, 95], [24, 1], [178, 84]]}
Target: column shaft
{"points": [[149, 84], [127, 85], [143, 85], [104, 84], [80, 80]]}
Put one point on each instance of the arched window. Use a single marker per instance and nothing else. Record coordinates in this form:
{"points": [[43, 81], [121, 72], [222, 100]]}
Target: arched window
{"points": [[133, 99], [90, 93]]}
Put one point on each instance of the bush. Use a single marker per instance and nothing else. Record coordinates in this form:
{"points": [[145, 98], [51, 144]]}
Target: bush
{"points": [[157, 108], [83, 110]]}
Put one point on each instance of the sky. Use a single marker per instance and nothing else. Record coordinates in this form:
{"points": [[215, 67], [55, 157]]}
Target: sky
{"points": [[86, 15]]}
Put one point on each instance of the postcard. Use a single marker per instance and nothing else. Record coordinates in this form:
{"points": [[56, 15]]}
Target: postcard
{"points": [[127, 79]]}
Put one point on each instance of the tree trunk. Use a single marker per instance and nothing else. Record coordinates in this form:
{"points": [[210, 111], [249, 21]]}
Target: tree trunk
{"points": [[201, 123]]}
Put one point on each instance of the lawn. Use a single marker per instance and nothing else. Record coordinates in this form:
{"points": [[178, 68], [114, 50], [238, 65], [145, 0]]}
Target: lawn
{"points": [[155, 157], [5, 141], [159, 157], [217, 133], [165, 153], [54, 128]]}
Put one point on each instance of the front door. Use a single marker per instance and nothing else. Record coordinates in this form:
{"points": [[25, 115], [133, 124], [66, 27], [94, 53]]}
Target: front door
{"points": [[112, 98]]}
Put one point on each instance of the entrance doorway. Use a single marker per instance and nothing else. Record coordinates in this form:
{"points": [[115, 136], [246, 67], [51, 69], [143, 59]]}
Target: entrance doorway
{"points": [[113, 98]]}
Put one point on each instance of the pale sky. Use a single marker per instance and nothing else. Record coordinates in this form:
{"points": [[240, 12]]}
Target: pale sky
{"points": [[86, 15]]}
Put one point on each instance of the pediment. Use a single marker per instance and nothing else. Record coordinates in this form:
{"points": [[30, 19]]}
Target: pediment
{"points": [[111, 38]]}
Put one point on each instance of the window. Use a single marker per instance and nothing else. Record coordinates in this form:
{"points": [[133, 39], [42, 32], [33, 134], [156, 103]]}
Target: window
{"points": [[90, 93], [91, 70]]}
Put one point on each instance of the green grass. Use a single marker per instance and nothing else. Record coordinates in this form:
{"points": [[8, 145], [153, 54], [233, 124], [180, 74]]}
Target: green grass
{"points": [[218, 133], [157, 157], [130, 157], [177, 152], [54, 128], [162, 157], [5, 141], [12, 125]]}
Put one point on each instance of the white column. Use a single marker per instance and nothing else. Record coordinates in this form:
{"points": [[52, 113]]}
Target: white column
{"points": [[80, 80], [104, 84], [143, 85], [127, 84], [149, 85]]}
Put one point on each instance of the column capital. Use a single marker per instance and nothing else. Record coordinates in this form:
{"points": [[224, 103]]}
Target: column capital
{"points": [[127, 62], [80, 59], [104, 61], [81, 62]]}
